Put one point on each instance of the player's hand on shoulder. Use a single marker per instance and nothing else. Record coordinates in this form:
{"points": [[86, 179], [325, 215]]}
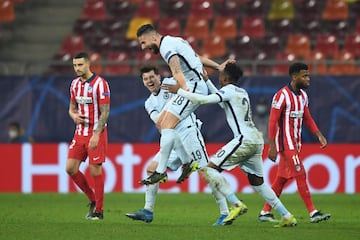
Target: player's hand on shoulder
{"points": [[173, 88]]}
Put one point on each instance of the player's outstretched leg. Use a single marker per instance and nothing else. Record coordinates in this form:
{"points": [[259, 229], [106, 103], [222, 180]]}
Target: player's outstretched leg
{"points": [[141, 215]]}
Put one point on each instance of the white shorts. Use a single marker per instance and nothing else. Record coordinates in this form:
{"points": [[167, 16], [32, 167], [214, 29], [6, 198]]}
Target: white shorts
{"points": [[182, 107], [248, 156]]}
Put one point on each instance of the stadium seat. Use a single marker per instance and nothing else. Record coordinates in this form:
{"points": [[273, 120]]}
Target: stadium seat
{"points": [[254, 8], [281, 9], [253, 27], [214, 47], [94, 10], [335, 10], [117, 63], [346, 68], [271, 45], [85, 27], [262, 67], [175, 9], [352, 44], [282, 67], [149, 9], [328, 44], [242, 47], [134, 24], [72, 44], [61, 64], [337, 27], [229, 8], [308, 10], [96, 62], [311, 27], [124, 10], [354, 9], [225, 26], [281, 28], [100, 43], [317, 63], [169, 26], [114, 27], [299, 44], [197, 27], [194, 42], [201, 9], [7, 12]]}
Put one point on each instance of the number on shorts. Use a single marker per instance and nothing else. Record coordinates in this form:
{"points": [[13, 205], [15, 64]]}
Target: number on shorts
{"points": [[196, 155], [72, 144], [178, 100]]}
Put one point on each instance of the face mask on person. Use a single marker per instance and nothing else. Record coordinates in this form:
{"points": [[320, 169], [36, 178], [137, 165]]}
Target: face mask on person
{"points": [[13, 134], [261, 109]]}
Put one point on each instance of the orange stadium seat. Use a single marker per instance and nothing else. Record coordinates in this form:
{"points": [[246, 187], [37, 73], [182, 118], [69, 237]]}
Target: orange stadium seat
{"points": [[201, 9], [281, 9], [149, 9], [335, 10], [253, 27], [299, 44], [7, 13], [197, 27], [72, 44], [225, 26], [117, 63], [94, 9], [328, 44], [346, 68], [169, 26], [317, 62], [214, 47]]}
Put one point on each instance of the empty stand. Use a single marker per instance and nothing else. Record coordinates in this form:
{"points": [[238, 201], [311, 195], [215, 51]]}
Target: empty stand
{"points": [[201, 9], [114, 27], [337, 27], [242, 47], [282, 68], [175, 8], [344, 64], [124, 10], [271, 45], [352, 44], [317, 62], [214, 47], [229, 9], [309, 10], [101, 44], [311, 27], [85, 27], [61, 64], [148, 9]]}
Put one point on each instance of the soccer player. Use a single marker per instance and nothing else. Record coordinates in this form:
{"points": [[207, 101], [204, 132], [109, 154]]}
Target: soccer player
{"points": [[244, 150], [290, 108], [190, 135], [89, 108], [186, 68]]}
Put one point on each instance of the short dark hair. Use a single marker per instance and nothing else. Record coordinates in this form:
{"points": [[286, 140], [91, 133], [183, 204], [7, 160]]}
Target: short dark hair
{"points": [[233, 71], [15, 125], [81, 55], [297, 67], [146, 28], [148, 68]]}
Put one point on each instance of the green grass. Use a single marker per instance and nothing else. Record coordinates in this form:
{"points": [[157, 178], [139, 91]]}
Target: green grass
{"points": [[178, 216]]}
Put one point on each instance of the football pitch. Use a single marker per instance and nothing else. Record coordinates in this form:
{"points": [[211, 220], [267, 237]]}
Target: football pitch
{"points": [[177, 217]]}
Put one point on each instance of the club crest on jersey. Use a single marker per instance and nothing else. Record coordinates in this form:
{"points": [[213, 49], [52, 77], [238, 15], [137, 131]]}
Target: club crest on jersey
{"points": [[166, 95], [90, 88], [83, 100]]}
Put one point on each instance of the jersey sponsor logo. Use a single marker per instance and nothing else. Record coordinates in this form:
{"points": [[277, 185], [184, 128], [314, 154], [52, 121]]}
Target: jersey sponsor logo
{"points": [[83, 100], [296, 114]]}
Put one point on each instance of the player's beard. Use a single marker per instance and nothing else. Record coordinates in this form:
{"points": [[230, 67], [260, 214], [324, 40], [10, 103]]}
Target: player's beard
{"points": [[155, 49]]}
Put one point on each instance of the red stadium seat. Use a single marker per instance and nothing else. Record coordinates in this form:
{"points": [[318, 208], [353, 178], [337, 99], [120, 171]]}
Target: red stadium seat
{"points": [[311, 27], [149, 9], [72, 44], [337, 27], [94, 9], [61, 64], [117, 64], [7, 13], [96, 65], [253, 27], [175, 9], [85, 27], [281, 28], [197, 27], [169, 26], [271, 45], [317, 62], [352, 44], [101, 44], [114, 27], [201, 9], [122, 10], [214, 47], [328, 44], [282, 68], [243, 47], [309, 10], [229, 8], [343, 68], [254, 8]]}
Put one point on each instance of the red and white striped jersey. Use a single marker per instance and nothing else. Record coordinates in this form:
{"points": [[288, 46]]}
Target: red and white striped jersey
{"points": [[89, 95], [288, 111]]}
